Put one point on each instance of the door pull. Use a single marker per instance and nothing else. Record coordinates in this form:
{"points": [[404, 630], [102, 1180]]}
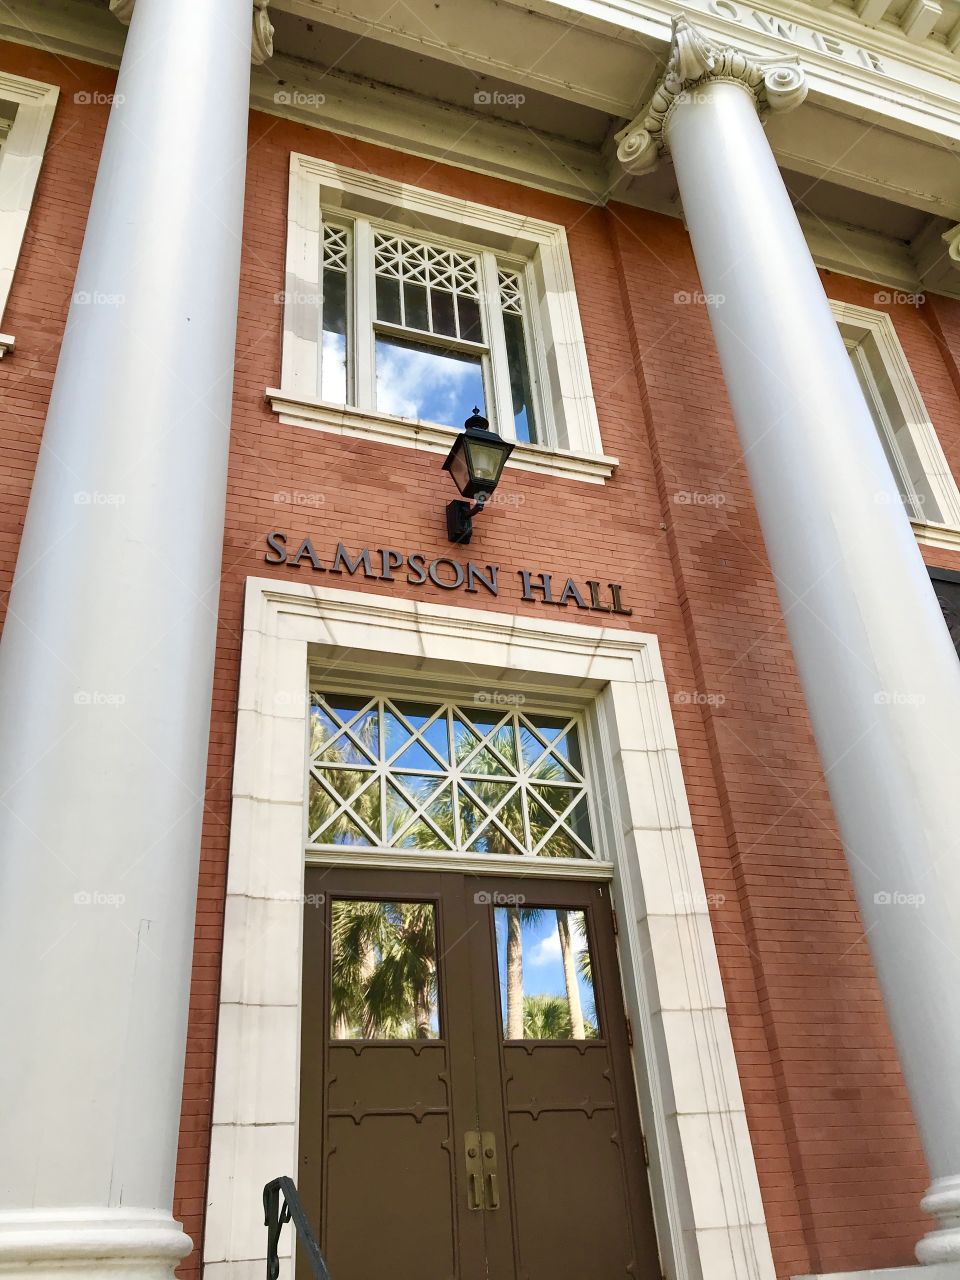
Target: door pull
{"points": [[474, 1163], [489, 1146], [480, 1159]]}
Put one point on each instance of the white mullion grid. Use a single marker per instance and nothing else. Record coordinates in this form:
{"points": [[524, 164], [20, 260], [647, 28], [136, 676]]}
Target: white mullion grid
{"points": [[346, 731], [519, 779], [420, 807], [491, 813], [500, 395], [454, 777], [364, 311], [343, 804], [550, 751], [561, 822]]}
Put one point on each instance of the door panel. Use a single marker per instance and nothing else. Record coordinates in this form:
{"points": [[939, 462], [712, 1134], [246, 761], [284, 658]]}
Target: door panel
{"points": [[578, 1192], [382, 1118], [434, 1146]]}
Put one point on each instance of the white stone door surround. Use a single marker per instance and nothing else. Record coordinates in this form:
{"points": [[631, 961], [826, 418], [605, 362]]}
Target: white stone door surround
{"points": [[703, 1177]]}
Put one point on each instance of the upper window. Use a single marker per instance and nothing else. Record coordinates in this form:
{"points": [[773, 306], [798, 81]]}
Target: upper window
{"points": [[26, 113], [446, 327], [423, 775], [404, 307], [919, 466]]}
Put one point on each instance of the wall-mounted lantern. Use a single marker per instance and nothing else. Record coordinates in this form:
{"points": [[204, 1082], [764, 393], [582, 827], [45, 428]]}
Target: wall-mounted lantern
{"points": [[475, 462]]}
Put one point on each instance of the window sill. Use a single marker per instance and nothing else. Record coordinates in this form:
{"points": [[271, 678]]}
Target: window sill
{"points": [[297, 412], [7, 344], [937, 535]]}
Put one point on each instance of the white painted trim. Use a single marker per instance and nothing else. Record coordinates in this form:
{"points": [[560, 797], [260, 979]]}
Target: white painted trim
{"points": [[703, 1175], [878, 327], [20, 162], [432, 437], [387, 117], [317, 185], [934, 535], [502, 864]]}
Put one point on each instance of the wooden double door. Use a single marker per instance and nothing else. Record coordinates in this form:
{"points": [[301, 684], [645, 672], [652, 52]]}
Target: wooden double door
{"points": [[468, 1109]]}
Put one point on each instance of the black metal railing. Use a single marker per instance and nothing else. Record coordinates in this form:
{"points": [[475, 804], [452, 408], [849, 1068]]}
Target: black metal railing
{"points": [[276, 1213]]}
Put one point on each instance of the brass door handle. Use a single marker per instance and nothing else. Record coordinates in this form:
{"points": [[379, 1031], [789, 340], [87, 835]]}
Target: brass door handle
{"points": [[480, 1158], [474, 1164]]}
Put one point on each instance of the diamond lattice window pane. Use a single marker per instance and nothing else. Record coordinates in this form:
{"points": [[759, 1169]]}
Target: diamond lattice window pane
{"points": [[424, 775]]}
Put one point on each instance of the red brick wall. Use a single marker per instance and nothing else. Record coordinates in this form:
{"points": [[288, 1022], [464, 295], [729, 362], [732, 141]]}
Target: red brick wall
{"points": [[840, 1166]]}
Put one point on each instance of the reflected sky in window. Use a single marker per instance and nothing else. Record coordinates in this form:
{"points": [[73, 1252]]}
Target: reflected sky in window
{"points": [[415, 380]]}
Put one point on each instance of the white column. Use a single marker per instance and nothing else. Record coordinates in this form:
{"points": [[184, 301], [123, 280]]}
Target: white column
{"points": [[106, 667], [880, 676]]}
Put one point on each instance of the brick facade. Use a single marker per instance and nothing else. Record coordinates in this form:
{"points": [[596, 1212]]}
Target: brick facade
{"points": [[839, 1160]]}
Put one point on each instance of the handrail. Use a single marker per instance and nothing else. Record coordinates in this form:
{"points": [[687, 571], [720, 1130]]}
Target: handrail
{"points": [[276, 1214]]}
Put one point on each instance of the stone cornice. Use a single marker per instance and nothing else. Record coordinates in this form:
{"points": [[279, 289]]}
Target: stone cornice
{"points": [[776, 84], [262, 47]]}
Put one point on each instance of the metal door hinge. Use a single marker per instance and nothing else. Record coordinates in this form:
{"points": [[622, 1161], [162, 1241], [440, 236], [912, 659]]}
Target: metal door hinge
{"points": [[646, 1153], [616, 923], [629, 1031]]}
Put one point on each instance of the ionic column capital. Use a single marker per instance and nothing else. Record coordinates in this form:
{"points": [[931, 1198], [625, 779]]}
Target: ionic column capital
{"points": [[262, 47], [775, 83]]}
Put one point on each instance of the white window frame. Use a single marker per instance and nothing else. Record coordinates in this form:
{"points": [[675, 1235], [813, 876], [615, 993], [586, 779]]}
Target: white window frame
{"points": [[567, 414], [703, 1177], [860, 326], [20, 161], [515, 702]]}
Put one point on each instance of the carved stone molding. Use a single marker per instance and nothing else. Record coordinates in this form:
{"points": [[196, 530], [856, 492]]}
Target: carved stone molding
{"points": [[262, 33], [262, 47], [776, 83]]}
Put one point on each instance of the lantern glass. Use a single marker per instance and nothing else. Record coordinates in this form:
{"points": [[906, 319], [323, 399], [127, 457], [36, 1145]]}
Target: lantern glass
{"points": [[477, 458], [486, 461], [458, 466]]}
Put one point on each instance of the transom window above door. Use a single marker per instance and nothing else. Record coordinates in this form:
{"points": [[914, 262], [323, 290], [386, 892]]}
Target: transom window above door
{"points": [[433, 329], [398, 773]]}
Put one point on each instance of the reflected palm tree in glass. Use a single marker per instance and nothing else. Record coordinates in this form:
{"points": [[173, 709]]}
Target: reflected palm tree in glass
{"points": [[384, 971]]}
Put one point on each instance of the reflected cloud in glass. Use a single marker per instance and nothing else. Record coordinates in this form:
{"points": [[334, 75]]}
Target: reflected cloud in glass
{"points": [[415, 380]]}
